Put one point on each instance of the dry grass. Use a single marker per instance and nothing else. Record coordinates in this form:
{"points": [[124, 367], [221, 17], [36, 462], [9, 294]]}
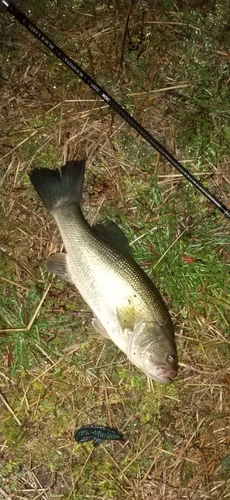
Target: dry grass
{"points": [[177, 438]]}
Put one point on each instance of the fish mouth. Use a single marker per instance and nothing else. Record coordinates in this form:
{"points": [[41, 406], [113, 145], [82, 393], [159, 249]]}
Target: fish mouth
{"points": [[163, 375]]}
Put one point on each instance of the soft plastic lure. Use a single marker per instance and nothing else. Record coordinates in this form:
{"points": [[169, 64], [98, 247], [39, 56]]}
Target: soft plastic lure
{"points": [[97, 433]]}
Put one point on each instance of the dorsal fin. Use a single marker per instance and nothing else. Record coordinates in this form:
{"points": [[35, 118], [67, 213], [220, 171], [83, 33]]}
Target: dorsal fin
{"points": [[110, 232]]}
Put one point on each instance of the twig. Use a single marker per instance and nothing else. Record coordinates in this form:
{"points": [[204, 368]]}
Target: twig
{"points": [[10, 409]]}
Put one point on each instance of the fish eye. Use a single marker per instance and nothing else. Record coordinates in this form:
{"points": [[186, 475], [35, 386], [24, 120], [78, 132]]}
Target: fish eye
{"points": [[171, 358]]}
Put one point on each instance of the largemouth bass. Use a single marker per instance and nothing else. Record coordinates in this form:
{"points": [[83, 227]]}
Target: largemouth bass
{"points": [[127, 307]]}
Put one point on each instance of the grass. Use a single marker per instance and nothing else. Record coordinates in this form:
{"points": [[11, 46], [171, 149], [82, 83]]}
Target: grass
{"points": [[56, 372]]}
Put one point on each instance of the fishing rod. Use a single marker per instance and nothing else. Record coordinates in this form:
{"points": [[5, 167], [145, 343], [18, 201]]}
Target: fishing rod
{"points": [[8, 5]]}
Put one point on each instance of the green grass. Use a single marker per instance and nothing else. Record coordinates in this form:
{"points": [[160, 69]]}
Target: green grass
{"points": [[176, 442]]}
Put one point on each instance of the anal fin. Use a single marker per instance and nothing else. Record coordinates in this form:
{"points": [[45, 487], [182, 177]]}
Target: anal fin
{"points": [[57, 264]]}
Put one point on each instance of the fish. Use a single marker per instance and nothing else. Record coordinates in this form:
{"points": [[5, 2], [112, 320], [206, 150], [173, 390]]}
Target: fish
{"points": [[97, 433], [127, 307]]}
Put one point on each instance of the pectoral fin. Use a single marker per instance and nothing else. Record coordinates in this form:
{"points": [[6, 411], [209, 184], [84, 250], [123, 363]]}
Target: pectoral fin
{"points": [[126, 316], [57, 264], [100, 328]]}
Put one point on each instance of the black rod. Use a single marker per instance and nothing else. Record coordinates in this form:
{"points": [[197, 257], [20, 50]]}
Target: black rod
{"points": [[58, 52]]}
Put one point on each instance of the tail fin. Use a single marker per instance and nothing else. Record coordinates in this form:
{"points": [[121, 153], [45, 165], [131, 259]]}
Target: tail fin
{"points": [[56, 187]]}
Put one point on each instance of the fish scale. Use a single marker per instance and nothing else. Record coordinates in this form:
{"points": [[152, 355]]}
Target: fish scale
{"points": [[89, 268]]}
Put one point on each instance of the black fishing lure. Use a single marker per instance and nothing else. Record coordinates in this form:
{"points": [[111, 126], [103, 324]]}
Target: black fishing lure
{"points": [[97, 433]]}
